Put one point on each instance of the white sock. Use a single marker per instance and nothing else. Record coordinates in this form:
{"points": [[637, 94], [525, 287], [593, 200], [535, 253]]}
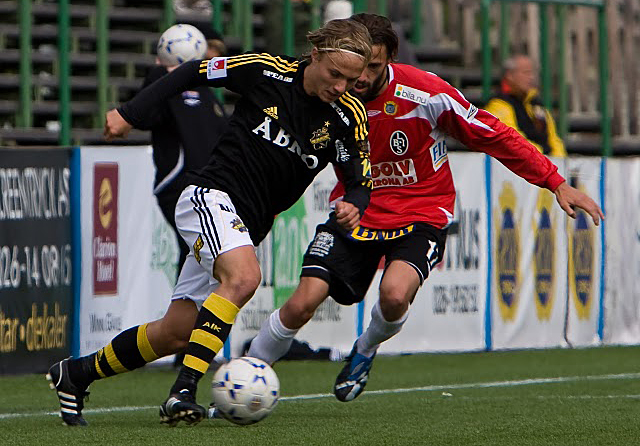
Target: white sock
{"points": [[378, 331], [273, 340]]}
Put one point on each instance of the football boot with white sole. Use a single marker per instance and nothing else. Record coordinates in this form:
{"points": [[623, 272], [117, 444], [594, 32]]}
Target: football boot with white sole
{"points": [[70, 396], [181, 406]]}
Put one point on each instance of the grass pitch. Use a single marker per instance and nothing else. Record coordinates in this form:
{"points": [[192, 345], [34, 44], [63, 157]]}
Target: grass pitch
{"points": [[545, 397]]}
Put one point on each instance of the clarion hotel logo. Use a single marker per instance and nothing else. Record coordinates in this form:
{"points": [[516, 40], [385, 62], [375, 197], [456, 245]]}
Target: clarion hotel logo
{"points": [[105, 229]]}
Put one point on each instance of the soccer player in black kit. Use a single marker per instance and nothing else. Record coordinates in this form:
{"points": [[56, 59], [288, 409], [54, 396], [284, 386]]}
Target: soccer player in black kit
{"points": [[294, 117]]}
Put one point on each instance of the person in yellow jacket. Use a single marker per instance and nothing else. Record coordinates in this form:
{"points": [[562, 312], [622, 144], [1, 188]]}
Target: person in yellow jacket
{"points": [[518, 105]]}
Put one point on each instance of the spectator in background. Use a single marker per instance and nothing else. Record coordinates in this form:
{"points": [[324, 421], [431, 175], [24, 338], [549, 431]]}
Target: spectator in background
{"points": [[518, 106], [184, 128]]}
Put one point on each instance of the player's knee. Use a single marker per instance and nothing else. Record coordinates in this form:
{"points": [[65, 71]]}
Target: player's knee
{"points": [[244, 285], [393, 302]]}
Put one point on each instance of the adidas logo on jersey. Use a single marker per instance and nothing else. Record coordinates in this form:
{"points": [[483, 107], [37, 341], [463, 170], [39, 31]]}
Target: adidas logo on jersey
{"points": [[272, 111]]}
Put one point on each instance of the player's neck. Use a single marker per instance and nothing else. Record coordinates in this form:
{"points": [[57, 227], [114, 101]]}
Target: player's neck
{"points": [[383, 85]]}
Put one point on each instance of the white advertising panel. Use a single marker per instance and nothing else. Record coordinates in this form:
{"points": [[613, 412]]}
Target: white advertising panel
{"points": [[622, 235], [545, 269], [332, 326], [585, 250], [529, 257], [128, 254]]}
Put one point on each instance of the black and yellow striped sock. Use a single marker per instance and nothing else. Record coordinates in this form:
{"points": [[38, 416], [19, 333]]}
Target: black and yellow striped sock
{"points": [[127, 351], [207, 338]]}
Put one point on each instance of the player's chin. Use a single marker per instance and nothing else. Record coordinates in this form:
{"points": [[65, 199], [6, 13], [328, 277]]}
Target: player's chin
{"points": [[330, 97]]}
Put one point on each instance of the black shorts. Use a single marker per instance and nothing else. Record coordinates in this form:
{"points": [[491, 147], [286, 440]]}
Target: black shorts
{"points": [[348, 261]]}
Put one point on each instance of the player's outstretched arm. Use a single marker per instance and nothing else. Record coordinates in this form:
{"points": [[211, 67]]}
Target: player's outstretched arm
{"points": [[569, 197], [115, 126]]}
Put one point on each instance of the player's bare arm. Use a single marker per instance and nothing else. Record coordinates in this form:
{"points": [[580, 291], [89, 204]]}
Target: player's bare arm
{"points": [[569, 197]]}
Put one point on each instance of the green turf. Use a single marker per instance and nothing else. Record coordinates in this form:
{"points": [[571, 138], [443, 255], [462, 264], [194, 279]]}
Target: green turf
{"points": [[601, 410]]}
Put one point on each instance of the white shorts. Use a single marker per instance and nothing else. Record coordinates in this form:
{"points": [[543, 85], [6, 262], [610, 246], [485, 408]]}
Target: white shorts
{"points": [[208, 223]]}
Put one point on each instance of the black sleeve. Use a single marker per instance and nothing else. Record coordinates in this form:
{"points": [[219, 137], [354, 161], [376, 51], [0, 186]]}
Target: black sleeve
{"points": [[137, 110], [153, 75], [158, 115], [354, 162], [238, 73]]}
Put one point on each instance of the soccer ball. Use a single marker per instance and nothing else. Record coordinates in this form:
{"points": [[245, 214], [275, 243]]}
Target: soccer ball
{"points": [[245, 390], [181, 43]]}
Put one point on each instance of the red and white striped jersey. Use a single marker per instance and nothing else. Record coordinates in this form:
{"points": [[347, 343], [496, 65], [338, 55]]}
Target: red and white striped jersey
{"points": [[412, 180]]}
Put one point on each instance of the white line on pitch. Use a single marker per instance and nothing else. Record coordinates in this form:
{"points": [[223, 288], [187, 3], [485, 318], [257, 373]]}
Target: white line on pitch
{"points": [[546, 397], [512, 383]]}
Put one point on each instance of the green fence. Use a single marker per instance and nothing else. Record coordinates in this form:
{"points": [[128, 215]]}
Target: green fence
{"points": [[238, 23]]}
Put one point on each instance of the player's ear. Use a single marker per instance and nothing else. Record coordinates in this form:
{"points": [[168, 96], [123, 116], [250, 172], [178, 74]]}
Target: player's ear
{"points": [[315, 54]]}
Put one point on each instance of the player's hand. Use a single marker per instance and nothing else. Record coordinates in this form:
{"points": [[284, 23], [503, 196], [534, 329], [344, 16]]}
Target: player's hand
{"points": [[347, 214], [115, 126], [569, 197]]}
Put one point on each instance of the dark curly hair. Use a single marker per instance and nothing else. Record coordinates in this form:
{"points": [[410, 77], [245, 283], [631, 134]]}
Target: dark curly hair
{"points": [[381, 31]]}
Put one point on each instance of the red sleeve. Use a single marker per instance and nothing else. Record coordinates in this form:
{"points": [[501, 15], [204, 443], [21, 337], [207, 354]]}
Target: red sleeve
{"points": [[480, 130]]}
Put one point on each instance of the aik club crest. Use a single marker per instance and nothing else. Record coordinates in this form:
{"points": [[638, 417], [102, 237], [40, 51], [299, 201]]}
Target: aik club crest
{"points": [[320, 138], [237, 224], [507, 254], [543, 255], [581, 260]]}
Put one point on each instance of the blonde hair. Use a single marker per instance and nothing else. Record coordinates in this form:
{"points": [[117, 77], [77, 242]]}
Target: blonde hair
{"points": [[342, 35]]}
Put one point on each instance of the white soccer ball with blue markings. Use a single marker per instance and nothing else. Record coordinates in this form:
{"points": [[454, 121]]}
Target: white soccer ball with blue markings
{"points": [[181, 43], [245, 390]]}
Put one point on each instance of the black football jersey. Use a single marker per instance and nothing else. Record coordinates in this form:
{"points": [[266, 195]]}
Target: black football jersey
{"points": [[278, 138]]}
